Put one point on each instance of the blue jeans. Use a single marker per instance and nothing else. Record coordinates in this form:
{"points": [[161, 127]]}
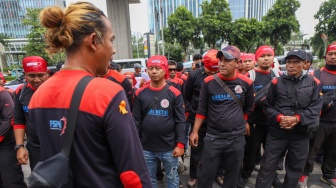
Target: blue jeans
{"points": [[170, 163]]}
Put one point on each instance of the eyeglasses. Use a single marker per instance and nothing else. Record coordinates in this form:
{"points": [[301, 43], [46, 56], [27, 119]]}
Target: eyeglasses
{"points": [[172, 70]]}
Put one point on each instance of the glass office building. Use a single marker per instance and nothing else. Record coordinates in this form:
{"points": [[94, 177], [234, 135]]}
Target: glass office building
{"points": [[13, 11], [239, 8]]}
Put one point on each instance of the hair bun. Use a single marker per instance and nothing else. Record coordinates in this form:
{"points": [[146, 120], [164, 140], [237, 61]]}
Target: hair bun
{"points": [[51, 17]]}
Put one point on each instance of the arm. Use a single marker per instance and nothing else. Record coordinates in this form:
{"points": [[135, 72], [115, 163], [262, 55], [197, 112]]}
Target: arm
{"points": [[137, 114], [200, 116], [124, 143], [19, 128], [6, 110], [273, 114], [126, 84], [180, 124], [188, 88]]}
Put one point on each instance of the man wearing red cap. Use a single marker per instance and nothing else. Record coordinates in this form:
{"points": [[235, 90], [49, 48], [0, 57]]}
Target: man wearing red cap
{"points": [[11, 174], [248, 61], [35, 71], [226, 100], [159, 118], [261, 76], [325, 136], [192, 90]]}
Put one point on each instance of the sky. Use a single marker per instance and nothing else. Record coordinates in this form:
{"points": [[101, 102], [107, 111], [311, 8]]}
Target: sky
{"points": [[305, 16]]}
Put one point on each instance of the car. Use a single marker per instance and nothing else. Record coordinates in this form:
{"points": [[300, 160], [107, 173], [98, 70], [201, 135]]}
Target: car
{"points": [[15, 83], [280, 60], [127, 65], [187, 66]]}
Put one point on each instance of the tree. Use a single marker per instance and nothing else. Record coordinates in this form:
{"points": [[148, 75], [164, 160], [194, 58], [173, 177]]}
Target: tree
{"points": [[2, 39], [36, 43], [215, 21], [181, 27], [326, 17], [245, 33], [197, 39], [280, 21], [138, 47]]}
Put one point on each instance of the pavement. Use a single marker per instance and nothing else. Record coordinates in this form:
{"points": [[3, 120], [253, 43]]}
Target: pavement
{"points": [[313, 181]]}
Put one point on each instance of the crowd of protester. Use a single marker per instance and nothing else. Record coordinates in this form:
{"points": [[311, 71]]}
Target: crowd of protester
{"points": [[232, 114]]}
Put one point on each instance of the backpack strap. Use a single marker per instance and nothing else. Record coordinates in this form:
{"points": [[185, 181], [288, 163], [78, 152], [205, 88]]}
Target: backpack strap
{"points": [[22, 90]]}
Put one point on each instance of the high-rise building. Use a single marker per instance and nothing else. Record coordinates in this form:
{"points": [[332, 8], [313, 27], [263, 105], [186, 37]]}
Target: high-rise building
{"points": [[159, 10], [13, 11]]}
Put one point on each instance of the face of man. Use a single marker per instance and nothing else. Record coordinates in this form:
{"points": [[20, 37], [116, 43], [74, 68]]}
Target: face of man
{"points": [[307, 65], [210, 71], [240, 66], [248, 64], [105, 55], [172, 71], [35, 79], [331, 57], [137, 70], [156, 73], [227, 67], [265, 61], [194, 64], [294, 66]]}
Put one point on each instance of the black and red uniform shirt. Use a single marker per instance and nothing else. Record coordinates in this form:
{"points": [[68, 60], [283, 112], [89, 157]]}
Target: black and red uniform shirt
{"points": [[6, 116], [225, 117], [163, 127], [106, 150], [192, 91], [328, 82], [124, 82], [22, 98], [262, 79], [307, 104]]}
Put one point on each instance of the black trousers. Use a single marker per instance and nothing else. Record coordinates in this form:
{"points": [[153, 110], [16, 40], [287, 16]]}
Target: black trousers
{"points": [[252, 148], [297, 150], [230, 151], [196, 154], [10, 171], [325, 136]]}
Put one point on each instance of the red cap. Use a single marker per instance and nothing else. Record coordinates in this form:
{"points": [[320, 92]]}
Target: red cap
{"points": [[230, 52], [331, 47], [131, 75], [160, 61], [263, 50], [210, 60], [34, 64]]}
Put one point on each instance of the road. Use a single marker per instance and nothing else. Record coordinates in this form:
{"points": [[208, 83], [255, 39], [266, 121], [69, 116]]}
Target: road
{"points": [[313, 181]]}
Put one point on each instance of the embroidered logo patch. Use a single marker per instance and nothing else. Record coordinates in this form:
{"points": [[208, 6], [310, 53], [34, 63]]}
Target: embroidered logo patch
{"points": [[122, 107], [238, 89], [165, 103]]}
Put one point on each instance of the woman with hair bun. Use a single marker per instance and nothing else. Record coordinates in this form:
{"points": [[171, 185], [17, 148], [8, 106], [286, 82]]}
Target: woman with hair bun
{"points": [[106, 151]]}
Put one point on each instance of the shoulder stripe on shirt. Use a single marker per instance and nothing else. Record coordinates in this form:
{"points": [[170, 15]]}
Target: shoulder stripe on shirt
{"points": [[245, 78], [174, 90], [275, 81]]}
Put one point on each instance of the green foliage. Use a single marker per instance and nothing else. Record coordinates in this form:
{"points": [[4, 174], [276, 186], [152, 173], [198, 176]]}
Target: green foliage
{"points": [[138, 47], [36, 43], [181, 27], [10, 78], [280, 21], [245, 33], [326, 17], [215, 21], [174, 52], [2, 39], [197, 39]]}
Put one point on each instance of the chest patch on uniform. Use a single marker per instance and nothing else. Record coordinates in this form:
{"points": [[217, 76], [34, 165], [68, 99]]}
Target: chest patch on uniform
{"points": [[238, 89], [165, 103]]}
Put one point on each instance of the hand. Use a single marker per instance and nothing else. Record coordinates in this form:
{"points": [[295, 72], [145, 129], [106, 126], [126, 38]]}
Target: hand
{"points": [[247, 129], [288, 122], [178, 152], [22, 155], [193, 139], [142, 82]]}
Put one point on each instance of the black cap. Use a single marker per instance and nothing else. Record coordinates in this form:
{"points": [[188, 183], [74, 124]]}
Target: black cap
{"points": [[298, 53]]}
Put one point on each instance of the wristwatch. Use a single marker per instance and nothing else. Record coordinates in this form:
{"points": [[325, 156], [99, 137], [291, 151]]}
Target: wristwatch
{"points": [[19, 146]]}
